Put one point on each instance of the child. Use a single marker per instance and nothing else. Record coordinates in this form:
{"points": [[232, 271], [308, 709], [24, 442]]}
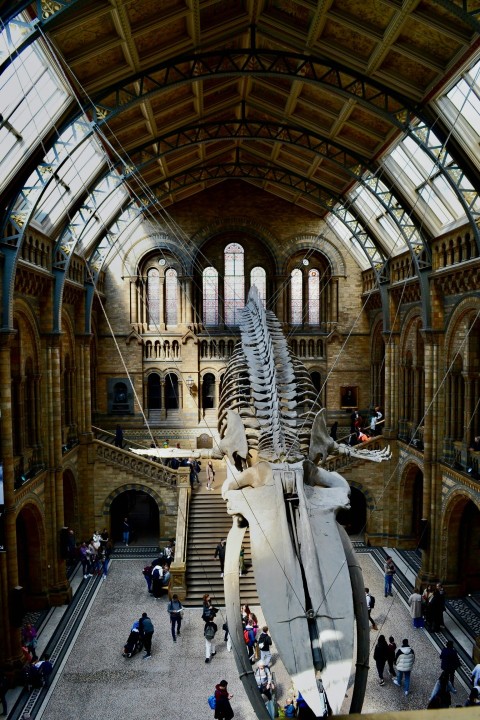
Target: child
{"points": [[392, 647], [289, 708]]}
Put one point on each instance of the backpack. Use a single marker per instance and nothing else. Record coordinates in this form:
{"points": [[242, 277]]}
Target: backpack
{"points": [[212, 702], [264, 641], [209, 631], [372, 602], [207, 614], [246, 636]]}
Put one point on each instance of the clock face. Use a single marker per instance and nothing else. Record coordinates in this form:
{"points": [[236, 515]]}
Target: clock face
{"points": [[162, 261]]}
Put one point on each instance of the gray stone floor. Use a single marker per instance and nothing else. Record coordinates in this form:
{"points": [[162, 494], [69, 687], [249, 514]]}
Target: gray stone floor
{"points": [[97, 683]]}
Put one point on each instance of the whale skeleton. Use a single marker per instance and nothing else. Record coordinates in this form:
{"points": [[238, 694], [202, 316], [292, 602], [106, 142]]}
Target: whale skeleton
{"points": [[310, 586]]}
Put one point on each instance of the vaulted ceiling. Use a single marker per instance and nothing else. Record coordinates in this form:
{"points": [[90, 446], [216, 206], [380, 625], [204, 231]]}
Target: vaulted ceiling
{"points": [[297, 97]]}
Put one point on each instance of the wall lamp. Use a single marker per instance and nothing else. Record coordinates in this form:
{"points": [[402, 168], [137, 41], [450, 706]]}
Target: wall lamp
{"points": [[189, 382]]}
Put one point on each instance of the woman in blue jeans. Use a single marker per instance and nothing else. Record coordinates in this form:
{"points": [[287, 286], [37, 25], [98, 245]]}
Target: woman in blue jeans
{"points": [[404, 660]]}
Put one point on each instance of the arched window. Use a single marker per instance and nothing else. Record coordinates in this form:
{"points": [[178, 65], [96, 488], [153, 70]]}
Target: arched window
{"points": [[208, 391], [210, 296], [296, 297], [154, 394], [153, 296], [171, 392], [234, 284], [258, 278], [171, 303], [313, 297]]}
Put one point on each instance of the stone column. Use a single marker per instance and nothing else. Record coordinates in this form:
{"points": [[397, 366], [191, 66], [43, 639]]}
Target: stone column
{"points": [[432, 481], [133, 302], [59, 588], [10, 653], [189, 300], [179, 303], [391, 385], [87, 393], [279, 308], [161, 299], [163, 411]]}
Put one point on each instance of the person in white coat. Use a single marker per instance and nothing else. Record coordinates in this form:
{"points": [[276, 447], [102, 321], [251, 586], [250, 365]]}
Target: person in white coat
{"points": [[404, 660]]}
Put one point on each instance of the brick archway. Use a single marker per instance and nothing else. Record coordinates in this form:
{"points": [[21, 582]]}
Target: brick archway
{"points": [[461, 533], [31, 559], [158, 523], [411, 507]]}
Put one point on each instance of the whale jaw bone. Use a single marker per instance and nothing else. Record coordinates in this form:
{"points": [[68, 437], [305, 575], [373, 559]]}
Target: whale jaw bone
{"points": [[310, 614]]}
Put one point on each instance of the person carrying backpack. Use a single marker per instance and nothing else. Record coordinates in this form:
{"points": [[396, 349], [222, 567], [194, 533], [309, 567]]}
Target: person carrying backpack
{"points": [[209, 634], [264, 643], [223, 709], [263, 678], [370, 600], [249, 637]]}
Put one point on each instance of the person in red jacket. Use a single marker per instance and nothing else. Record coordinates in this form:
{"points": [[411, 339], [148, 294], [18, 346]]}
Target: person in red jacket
{"points": [[223, 709]]}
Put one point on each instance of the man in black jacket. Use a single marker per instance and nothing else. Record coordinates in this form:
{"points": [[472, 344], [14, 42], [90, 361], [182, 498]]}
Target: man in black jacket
{"points": [[145, 627], [220, 553]]}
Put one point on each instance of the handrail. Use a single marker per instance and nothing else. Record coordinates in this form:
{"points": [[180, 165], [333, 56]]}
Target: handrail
{"points": [[101, 431], [137, 463], [337, 462], [178, 568]]}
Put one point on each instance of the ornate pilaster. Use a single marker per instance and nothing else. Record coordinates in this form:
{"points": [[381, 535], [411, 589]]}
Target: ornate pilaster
{"points": [[10, 646], [432, 484], [58, 585], [391, 384]]}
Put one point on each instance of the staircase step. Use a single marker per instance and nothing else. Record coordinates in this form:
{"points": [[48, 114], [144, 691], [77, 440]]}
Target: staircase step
{"points": [[209, 522]]}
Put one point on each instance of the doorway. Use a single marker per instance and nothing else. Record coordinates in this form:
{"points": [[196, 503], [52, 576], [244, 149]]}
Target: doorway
{"points": [[143, 516]]}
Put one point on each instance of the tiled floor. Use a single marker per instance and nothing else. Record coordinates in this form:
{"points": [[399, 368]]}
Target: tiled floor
{"points": [[97, 683]]}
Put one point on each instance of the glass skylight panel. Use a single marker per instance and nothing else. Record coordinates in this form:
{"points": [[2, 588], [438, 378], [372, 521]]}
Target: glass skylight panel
{"points": [[432, 200], [418, 157], [32, 97], [12, 35], [102, 216], [375, 216], [72, 176], [466, 102], [449, 196], [410, 164], [341, 231], [406, 166]]}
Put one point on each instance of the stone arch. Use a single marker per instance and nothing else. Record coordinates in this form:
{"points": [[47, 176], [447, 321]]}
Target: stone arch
{"points": [[407, 337], [106, 519], [464, 311], [362, 503], [132, 486], [411, 506], [460, 532], [239, 224], [322, 245], [155, 243], [31, 554]]}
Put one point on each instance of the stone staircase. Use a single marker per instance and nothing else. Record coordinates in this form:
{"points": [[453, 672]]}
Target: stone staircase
{"points": [[208, 523]]}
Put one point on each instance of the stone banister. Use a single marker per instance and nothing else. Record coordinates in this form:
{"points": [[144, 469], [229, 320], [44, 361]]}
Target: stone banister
{"points": [[178, 568], [137, 464]]}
